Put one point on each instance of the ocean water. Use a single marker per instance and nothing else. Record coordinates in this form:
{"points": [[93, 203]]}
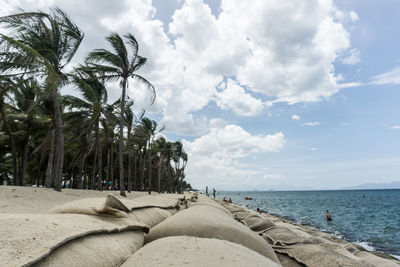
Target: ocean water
{"points": [[372, 221]]}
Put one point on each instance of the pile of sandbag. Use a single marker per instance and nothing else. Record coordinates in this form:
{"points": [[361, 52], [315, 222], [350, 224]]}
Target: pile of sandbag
{"points": [[195, 251], [206, 221], [297, 245], [85, 232]]}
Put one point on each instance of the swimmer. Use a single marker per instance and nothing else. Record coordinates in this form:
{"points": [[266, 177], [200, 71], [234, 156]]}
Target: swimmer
{"points": [[328, 216]]}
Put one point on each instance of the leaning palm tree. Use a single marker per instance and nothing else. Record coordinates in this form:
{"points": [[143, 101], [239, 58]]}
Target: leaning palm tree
{"points": [[119, 65], [42, 44], [92, 105]]}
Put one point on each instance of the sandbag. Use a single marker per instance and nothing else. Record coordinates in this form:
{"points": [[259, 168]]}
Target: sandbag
{"points": [[284, 235], [209, 222], [28, 238], [151, 216], [95, 250], [316, 256], [287, 261], [194, 252], [114, 207], [377, 261], [204, 200]]}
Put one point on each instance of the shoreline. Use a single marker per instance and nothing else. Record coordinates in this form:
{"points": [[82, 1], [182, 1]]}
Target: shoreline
{"points": [[149, 219], [367, 221]]}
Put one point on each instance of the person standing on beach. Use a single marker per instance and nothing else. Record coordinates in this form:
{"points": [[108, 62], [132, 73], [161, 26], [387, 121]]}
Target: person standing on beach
{"points": [[214, 192], [206, 190]]}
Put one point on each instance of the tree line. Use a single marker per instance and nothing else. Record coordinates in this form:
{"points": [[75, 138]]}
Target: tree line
{"points": [[81, 142]]}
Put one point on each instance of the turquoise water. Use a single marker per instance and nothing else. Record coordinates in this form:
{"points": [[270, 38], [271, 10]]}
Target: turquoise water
{"points": [[372, 221]]}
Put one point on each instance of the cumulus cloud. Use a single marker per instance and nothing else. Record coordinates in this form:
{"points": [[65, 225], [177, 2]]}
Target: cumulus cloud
{"points": [[314, 123], [233, 96], [283, 50], [295, 117], [217, 154]]}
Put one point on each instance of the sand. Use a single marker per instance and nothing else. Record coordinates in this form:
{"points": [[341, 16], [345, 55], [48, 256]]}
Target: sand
{"points": [[17, 199]]}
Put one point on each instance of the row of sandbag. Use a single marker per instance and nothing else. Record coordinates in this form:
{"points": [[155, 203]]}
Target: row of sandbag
{"points": [[205, 234], [85, 232], [297, 245]]}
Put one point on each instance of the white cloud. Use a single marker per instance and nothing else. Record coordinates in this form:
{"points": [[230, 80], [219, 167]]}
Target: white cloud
{"points": [[314, 149], [188, 58], [352, 58], [295, 117], [390, 77], [315, 123], [217, 154], [234, 97], [354, 16], [395, 127], [272, 176], [344, 124]]}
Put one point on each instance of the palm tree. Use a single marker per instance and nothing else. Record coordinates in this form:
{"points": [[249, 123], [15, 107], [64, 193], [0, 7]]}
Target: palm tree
{"points": [[119, 65], [92, 106], [163, 149], [25, 97], [6, 85], [42, 44], [180, 159]]}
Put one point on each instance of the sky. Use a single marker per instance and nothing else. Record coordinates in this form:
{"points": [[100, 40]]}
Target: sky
{"points": [[294, 94]]}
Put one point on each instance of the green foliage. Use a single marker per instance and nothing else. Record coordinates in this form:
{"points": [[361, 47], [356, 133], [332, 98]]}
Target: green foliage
{"points": [[33, 113]]}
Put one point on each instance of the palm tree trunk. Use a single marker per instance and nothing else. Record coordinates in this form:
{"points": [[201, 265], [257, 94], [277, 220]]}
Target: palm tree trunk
{"points": [[121, 140], [99, 158], [92, 183], [129, 161], [25, 153], [159, 174], [142, 172], [12, 141], [108, 168], [135, 172], [112, 161], [59, 160], [150, 171], [81, 166], [49, 171]]}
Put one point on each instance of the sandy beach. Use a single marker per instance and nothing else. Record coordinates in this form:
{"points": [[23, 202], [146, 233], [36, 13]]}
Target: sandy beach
{"points": [[42, 227]]}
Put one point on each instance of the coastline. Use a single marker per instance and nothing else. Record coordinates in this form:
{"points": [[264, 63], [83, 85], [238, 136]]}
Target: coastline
{"points": [[368, 221], [52, 226]]}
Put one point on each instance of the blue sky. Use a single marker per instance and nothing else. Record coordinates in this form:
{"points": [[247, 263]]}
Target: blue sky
{"points": [[272, 94]]}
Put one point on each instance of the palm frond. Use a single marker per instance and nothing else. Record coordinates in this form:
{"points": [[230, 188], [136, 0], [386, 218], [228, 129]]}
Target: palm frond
{"points": [[147, 84]]}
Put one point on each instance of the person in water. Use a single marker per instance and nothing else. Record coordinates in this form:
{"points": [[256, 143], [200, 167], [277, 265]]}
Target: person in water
{"points": [[328, 216]]}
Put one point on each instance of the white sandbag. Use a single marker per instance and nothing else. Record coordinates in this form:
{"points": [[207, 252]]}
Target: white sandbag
{"points": [[194, 252]]}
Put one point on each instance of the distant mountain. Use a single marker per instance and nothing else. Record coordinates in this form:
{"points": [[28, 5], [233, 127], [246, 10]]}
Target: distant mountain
{"points": [[393, 185]]}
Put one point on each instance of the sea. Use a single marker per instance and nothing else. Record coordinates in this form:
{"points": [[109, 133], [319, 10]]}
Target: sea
{"points": [[370, 218]]}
